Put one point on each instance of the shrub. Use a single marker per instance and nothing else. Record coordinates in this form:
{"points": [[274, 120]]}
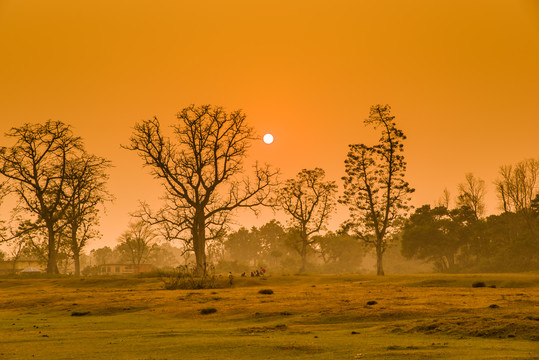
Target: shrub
{"points": [[184, 277], [207, 311], [478, 284], [266, 291], [79, 313]]}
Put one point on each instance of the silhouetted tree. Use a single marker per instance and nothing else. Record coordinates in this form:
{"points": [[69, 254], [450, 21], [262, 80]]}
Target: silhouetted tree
{"points": [[340, 251], [3, 192], [513, 246], [86, 190], [517, 188], [36, 166], [472, 195], [374, 186], [308, 200], [445, 199], [201, 171], [272, 241], [517, 185], [165, 255], [136, 243], [437, 235], [243, 245], [102, 255]]}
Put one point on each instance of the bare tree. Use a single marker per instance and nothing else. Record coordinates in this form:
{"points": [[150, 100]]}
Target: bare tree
{"points": [[309, 200], [4, 190], [444, 200], [36, 167], [517, 189], [517, 185], [86, 188], [472, 194], [374, 188], [201, 173], [135, 243]]}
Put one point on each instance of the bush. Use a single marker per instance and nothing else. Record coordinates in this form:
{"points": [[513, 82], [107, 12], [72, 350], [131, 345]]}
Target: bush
{"points": [[266, 291], [478, 284], [184, 277], [207, 311]]}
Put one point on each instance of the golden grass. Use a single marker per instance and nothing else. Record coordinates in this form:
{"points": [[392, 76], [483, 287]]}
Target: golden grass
{"points": [[415, 317]]}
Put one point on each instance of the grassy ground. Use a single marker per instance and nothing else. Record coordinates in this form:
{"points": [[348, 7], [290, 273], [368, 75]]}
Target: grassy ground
{"points": [[314, 317]]}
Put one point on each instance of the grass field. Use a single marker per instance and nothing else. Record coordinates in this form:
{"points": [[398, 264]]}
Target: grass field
{"points": [[306, 317]]}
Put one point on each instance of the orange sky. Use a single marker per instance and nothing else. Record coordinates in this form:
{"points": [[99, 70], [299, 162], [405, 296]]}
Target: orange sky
{"points": [[462, 77]]}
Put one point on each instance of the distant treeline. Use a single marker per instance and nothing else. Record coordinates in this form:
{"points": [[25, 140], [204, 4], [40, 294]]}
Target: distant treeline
{"points": [[461, 239]]}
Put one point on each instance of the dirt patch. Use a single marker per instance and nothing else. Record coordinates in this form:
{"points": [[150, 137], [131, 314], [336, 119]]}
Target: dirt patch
{"points": [[264, 329], [307, 349]]}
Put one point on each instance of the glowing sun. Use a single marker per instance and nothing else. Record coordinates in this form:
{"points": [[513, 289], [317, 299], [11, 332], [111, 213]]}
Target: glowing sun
{"points": [[268, 138]]}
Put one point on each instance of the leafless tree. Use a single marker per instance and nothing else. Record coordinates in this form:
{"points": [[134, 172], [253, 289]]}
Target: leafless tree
{"points": [[36, 166], [201, 171], [136, 242], [309, 201], [86, 179], [444, 200], [4, 190], [472, 194], [374, 186], [517, 189], [517, 185]]}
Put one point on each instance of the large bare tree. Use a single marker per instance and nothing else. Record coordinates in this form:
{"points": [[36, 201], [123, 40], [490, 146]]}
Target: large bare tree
{"points": [[36, 167], [308, 200], [202, 173], [374, 186]]}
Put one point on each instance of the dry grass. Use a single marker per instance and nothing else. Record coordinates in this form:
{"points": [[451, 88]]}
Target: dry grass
{"points": [[306, 316]]}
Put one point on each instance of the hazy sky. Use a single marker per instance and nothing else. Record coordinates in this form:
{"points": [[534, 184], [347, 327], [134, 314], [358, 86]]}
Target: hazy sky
{"points": [[462, 77]]}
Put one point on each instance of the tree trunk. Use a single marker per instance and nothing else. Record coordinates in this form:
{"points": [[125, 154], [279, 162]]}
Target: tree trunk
{"points": [[75, 249], [450, 262], [52, 266], [76, 261], [304, 243], [199, 242], [379, 265]]}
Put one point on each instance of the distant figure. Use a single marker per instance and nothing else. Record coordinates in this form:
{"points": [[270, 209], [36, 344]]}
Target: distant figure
{"points": [[257, 273], [252, 274], [243, 274], [262, 270], [230, 278]]}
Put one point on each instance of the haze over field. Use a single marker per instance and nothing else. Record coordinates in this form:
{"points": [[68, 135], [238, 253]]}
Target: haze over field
{"points": [[461, 77]]}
